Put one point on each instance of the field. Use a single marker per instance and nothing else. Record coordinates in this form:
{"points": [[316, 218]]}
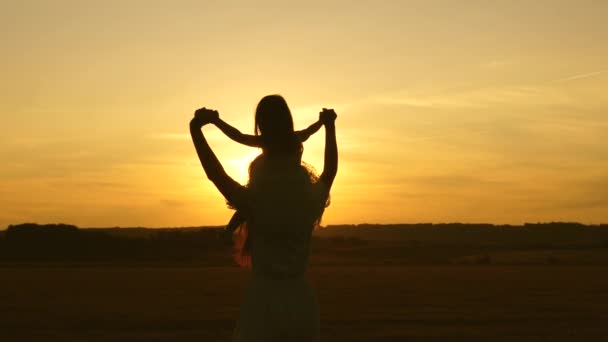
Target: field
{"points": [[368, 303]]}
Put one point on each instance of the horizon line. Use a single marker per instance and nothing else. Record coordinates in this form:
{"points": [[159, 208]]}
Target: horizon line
{"points": [[324, 226]]}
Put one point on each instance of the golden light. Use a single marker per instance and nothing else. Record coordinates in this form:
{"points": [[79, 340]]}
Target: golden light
{"points": [[238, 167]]}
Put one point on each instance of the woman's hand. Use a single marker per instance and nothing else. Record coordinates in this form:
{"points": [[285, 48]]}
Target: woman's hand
{"points": [[232, 191], [330, 167], [327, 116], [204, 116]]}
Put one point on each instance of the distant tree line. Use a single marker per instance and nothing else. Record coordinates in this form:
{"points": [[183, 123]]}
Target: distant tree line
{"points": [[62, 242], [552, 234], [404, 243]]}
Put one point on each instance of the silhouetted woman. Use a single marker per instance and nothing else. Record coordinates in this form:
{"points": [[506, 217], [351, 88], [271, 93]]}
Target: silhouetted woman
{"points": [[286, 144], [282, 203]]}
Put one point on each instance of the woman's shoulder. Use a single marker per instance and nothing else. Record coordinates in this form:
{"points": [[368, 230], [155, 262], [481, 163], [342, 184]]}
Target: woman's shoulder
{"points": [[320, 185]]}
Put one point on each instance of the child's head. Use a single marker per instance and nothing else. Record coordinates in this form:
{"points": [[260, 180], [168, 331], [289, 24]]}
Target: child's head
{"points": [[273, 117], [274, 123]]}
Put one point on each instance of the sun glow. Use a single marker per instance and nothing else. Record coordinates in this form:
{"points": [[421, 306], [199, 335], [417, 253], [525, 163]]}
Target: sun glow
{"points": [[441, 117], [238, 168]]}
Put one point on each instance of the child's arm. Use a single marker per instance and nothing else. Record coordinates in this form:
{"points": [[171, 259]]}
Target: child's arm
{"points": [[236, 135], [304, 134]]}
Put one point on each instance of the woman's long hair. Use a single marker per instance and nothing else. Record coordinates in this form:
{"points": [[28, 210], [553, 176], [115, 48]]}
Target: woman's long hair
{"points": [[277, 185]]}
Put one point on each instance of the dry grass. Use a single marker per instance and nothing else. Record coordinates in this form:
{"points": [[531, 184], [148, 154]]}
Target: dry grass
{"points": [[417, 303]]}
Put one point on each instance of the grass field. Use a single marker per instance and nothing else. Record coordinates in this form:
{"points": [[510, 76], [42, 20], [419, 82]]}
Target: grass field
{"points": [[414, 303]]}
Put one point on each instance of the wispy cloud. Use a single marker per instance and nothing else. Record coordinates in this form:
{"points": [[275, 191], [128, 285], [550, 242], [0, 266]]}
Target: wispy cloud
{"points": [[172, 136], [472, 97], [542, 93], [172, 203], [580, 76], [405, 101], [495, 64]]}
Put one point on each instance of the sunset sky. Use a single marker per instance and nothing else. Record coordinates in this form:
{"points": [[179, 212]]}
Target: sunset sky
{"points": [[470, 111]]}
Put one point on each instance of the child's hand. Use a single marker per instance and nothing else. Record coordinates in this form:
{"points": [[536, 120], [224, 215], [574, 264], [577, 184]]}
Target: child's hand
{"points": [[327, 116], [204, 116]]}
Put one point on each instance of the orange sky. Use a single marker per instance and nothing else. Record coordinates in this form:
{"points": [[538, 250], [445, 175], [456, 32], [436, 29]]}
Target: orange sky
{"points": [[471, 111]]}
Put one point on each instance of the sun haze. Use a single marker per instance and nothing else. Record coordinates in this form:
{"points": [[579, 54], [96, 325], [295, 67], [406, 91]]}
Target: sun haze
{"points": [[470, 111]]}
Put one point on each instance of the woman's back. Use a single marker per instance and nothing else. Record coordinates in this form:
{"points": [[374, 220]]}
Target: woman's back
{"points": [[286, 203]]}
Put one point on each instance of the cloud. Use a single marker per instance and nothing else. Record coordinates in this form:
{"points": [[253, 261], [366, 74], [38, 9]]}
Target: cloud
{"points": [[484, 95], [455, 180], [496, 64], [172, 136], [172, 203], [579, 76], [583, 193], [404, 101], [582, 203]]}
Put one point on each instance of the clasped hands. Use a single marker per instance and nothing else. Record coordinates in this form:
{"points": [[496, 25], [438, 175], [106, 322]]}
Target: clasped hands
{"points": [[205, 116], [327, 116]]}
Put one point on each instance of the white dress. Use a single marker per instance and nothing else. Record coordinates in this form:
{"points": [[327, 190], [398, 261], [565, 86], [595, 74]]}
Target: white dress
{"points": [[279, 303], [278, 310]]}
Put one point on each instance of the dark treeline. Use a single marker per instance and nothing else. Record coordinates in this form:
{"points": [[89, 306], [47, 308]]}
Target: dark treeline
{"points": [[553, 234], [346, 244], [61, 242]]}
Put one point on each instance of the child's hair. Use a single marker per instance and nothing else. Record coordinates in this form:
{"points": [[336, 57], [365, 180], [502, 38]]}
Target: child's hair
{"points": [[274, 123]]}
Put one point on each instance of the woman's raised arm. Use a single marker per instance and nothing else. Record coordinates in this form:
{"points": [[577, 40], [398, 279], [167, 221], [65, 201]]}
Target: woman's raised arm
{"points": [[330, 165], [231, 189]]}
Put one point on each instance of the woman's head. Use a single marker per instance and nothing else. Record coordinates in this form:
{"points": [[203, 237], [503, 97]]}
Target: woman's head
{"points": [[273, 121], [285, 191]]}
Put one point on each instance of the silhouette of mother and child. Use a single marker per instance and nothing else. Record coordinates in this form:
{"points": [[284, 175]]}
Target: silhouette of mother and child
{"points": [[276, 212]]}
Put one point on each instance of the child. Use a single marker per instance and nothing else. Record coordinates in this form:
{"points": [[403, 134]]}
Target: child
{"points": [[258, 141]]}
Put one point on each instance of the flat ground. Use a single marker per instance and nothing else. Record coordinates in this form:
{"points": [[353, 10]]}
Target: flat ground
{"points": [[413, 303]]}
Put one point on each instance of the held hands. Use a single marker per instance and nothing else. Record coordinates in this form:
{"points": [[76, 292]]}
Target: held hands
{"points": [[204, 116], [327, 116]]}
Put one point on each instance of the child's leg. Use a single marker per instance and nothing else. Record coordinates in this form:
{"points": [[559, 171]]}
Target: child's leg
{"points": [[226, 235], [235, 221]]}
